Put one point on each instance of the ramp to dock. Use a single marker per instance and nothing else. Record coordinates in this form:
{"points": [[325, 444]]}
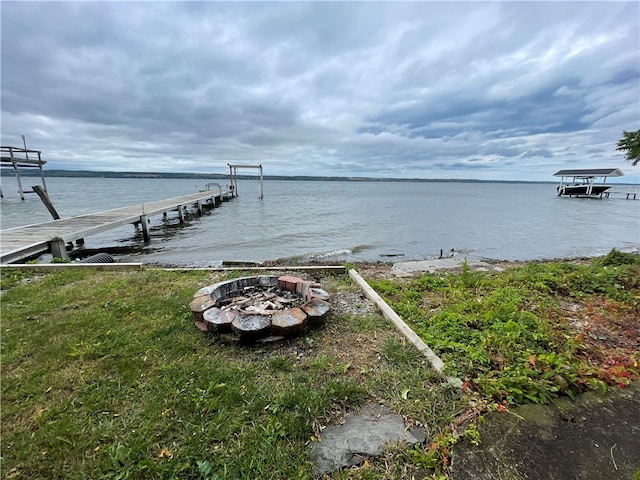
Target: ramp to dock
{"points": [[23, 242]]}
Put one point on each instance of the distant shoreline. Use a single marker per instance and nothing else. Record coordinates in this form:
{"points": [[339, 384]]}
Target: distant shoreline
{"points": [[220, 176]]}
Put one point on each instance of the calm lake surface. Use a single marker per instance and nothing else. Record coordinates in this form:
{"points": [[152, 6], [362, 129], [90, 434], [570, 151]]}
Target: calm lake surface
{"points": [[345, 221]]}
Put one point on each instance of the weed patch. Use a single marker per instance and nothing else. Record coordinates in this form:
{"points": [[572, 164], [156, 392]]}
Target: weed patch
{"points": [[533, 332]]}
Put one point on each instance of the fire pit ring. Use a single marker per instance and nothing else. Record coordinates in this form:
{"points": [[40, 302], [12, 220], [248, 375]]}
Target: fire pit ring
{"points": [[259, 309]]}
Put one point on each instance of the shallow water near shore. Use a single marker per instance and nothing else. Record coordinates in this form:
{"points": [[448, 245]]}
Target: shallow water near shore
{"points": [[340, 221]]}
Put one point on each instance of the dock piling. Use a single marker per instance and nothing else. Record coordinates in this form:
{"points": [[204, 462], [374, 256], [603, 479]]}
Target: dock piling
{"points": [[144, 223], [59, 249]]}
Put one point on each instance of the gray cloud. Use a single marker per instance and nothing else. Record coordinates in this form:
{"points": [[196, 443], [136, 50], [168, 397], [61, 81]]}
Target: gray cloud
{"points": [[434, 90]]}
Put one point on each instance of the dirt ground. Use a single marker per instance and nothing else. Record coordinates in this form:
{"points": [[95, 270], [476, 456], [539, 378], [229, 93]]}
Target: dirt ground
{"points": [[597, 436]]}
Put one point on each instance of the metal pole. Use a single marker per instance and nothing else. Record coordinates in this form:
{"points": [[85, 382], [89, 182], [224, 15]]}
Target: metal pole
{"points": [[235, 180], [17, 172], [24, 142], [233, 172], [261, 192]]}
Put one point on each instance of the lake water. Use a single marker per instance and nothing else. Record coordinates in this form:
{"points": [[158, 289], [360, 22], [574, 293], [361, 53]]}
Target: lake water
{"points": [[345, 221]]}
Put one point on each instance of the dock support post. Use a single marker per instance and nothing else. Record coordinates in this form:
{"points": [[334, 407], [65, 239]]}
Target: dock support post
{"points": [[199, 208], [144, 223], [17, 173], [59, 249], [181, 214]]}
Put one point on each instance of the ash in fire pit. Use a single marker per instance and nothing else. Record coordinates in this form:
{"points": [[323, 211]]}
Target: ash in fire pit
{"points": [[262, 308]]}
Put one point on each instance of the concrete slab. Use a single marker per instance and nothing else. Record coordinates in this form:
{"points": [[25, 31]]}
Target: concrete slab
{"points": [[407, 269], [362, 435], [595, 437]]}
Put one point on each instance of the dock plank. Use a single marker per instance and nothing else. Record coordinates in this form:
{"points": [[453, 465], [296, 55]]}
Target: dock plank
{"points": [[21, 242]]}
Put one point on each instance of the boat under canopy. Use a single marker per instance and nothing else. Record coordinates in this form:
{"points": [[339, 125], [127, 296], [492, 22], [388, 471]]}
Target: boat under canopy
{"points": [[583, 182]]}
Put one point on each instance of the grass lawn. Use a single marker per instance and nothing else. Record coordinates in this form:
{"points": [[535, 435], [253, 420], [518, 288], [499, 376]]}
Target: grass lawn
{"points": [[105, 376]]}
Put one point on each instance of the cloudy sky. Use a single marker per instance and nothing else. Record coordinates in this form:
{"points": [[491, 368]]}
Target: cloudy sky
{"points": [[505, 91]]}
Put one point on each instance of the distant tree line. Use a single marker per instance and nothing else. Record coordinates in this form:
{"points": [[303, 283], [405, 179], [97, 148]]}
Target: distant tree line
{"points": [[220, 176]]}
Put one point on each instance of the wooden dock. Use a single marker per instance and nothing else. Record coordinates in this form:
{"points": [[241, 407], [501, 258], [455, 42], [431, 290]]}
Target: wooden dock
{"points": [[20, 243]]}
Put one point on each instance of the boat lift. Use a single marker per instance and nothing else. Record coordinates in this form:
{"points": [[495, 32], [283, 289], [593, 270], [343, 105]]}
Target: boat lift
{"points": [[583, 182], [16, 158], [233, 174]]}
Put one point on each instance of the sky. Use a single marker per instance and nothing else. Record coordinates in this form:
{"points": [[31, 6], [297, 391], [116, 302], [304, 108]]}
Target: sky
{"points": [[468, 90]]}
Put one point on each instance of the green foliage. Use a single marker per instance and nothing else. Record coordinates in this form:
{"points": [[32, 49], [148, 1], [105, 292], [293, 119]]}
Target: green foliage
{"points": [[398, 352], [10, 277], [630, 145], [387, 287], [500, 333], [436, 455], [616, 258], [60, 260]]}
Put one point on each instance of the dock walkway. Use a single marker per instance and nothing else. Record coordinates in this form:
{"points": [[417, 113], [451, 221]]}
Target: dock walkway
{"points": [[19, 243]]}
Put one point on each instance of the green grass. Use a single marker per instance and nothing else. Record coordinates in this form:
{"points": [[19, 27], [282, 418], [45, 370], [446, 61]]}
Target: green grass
{"points": [[105, 376], [509, 335]]}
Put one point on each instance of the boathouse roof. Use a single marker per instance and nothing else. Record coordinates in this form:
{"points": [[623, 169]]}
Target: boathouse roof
{"points": [[590, 172]]}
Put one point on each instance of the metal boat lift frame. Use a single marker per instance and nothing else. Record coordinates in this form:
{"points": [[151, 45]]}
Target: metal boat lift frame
{"points": [[16, 157], [588, 177], [233, 175]]}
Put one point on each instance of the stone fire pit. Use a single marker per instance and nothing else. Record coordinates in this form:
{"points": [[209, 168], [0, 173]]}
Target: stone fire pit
{"points": [[263, 308]]}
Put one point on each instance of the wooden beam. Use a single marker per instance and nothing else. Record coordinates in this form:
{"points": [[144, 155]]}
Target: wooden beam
{"points": [[47, 201], [54, 267], [435, 361]]}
